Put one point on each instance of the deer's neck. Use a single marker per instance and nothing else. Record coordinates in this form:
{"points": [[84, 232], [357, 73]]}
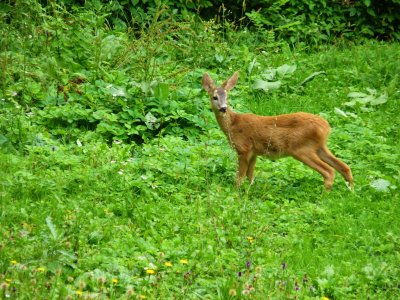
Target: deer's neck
{"points": [[225, 120]]}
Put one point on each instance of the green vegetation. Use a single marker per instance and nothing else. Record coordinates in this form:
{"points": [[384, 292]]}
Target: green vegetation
{"points": [[116, 183]]}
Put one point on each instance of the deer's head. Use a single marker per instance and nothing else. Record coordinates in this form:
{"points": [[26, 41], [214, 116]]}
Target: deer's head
{"points": [[219, 95]]}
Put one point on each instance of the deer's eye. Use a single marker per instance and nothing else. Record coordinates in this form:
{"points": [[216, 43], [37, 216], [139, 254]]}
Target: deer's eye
{"points": [[215, 98]]}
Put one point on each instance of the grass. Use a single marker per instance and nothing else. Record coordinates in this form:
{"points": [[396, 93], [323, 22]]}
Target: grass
{"points": [[163, 220]]}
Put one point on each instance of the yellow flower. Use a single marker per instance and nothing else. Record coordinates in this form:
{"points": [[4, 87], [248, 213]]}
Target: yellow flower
{"points": [[78, 293], [8, 280], [41, 269], [13, 262], [324, 298], [184, 261], [141, 297], [250, 239], [150, 271], [168, 264], [114, 280]]}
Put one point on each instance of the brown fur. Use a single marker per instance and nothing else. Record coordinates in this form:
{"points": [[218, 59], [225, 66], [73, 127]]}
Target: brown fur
{"points": [[300, 135]]}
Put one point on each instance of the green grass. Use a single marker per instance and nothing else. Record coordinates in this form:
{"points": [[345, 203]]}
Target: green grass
{"points": [[95, 219]]}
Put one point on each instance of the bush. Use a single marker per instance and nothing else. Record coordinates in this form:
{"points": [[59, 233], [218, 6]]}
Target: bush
{"points": [[324, 21]]}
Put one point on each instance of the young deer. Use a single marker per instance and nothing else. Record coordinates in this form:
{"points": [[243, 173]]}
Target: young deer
{"points": [[300, 135]]}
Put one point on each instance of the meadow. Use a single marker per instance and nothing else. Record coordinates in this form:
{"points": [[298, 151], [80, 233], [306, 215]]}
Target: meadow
{"points": [[116, 182]]}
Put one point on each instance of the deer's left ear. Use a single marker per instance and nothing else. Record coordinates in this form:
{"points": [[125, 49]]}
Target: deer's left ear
{"points": [[208, 83], [231, 82]]}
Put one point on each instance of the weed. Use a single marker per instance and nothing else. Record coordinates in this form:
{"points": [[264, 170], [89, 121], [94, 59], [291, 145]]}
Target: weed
{"points": [[115, 181]]}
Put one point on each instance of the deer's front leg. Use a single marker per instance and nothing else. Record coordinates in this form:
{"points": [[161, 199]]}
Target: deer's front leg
{"points": [[250, 169], [243, 167]]}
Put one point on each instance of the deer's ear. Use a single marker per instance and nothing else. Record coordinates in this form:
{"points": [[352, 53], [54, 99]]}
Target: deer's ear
{"points": [[208, 83], [231, 82]]}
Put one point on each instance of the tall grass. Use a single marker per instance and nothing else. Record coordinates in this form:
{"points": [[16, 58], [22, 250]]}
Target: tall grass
{"points": [[92, 214]]}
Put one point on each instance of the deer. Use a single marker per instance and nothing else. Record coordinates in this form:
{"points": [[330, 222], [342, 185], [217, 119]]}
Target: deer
{"points": [[300, 135]]}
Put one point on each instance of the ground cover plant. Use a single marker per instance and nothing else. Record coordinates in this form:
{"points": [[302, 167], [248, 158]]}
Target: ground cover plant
{"points": [[116, 182]]}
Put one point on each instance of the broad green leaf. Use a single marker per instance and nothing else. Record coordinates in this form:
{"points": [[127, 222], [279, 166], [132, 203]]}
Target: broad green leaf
{"points": [[286, 70], [260, 84], [369, 271], [371, 12], [151, 121], [251, 66], [219, 58], [356, 95], [68, 254], [380, 100], [117, 91], [350, 103], [340, 112], [329, 271], [371, 91], [33, 87], [288, 25], [365, 100], [312, 76], [366, 109], [52, 228], [367, 2], [367, 30], [269, 74], [161, 91], [110, 45], [3, 139], [104, 127], [147, 86], [95, 236], [381, 185], [99, 114]]}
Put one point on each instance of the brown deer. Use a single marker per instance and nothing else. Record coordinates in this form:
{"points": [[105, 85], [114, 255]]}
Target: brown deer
{"points": [[300, 135]]}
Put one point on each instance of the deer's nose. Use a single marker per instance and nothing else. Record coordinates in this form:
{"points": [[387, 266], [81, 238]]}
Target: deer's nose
{"points": [[223, 109]]}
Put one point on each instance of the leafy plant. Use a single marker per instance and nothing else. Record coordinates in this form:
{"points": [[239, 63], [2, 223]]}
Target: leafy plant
{"points": [[317, 22], [365, 101], [271, 76]]}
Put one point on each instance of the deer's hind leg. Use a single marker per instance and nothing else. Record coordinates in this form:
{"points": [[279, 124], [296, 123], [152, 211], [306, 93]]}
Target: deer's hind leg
{"points": [[314, 161], [336, 163]]}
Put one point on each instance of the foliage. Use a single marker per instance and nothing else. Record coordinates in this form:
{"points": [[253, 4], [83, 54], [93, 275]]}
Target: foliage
{"points": [[313, 21], [120, 85], [115, 181], [162, 220], [317, 22]]}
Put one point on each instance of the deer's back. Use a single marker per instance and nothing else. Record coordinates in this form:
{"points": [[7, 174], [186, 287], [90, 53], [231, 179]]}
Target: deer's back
{"points": [[276, 136]]}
